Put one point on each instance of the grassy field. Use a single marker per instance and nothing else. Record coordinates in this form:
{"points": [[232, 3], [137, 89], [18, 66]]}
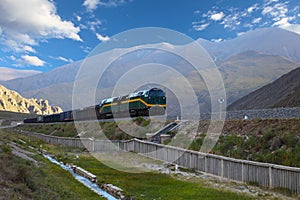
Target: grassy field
{"points": [[49, 181], [21, 179], [149, 185], [274, 141]]}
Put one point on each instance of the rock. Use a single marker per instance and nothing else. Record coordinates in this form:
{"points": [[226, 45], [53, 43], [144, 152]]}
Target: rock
{"points": [[14, 102]]}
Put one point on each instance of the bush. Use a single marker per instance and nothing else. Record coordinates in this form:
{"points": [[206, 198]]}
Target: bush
{"points": [[5, 148]]}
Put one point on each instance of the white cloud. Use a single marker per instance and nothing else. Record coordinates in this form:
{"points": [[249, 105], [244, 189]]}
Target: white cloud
{"points": [[281, 16], [252, 8], [32, 60], [266, 10], [285, 24], [200, 26], [268, 2], [62, 59], [232, 21], [276, 11], [94, 25], [25, 23], [293, 28], [217, 40], [29, 49], [12, 58], [102, 38], [282, 22], [240, 33], [256, 20], [217, 16], [78, 18], [93, 4], [86, 49]]}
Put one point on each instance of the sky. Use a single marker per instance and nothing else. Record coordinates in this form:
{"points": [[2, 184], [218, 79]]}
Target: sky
{"points": [[44, 34]]}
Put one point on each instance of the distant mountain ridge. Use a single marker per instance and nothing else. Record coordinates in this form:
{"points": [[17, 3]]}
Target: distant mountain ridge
{"points": [[246, 63], [10, 74], [14, 102], [283, 92], [270, 41]]}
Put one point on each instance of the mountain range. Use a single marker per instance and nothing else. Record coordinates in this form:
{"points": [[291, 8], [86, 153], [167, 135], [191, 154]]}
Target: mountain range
{"points": [[270, 41], [246, 63], [9, 74]]}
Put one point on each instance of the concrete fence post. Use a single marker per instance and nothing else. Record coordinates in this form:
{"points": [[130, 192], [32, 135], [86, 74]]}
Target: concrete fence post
{"points": [[222, 167], [93, 145], [270, 177], [205, 163], [243, 178]]}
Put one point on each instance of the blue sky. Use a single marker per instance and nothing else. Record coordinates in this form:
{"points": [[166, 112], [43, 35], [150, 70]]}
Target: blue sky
{"points": [[45, 34]]}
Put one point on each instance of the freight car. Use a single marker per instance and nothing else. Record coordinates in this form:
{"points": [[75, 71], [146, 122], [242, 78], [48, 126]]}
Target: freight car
{"points": [[66, 116], [88, 113], [141, 103]]}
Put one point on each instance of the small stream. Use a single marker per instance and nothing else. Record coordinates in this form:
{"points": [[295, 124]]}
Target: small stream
{"points": [[93, 186]]}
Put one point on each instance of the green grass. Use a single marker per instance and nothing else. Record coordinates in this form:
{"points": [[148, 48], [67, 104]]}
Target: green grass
{"points": [[21, 179], [150, 185], [62, 130], [270, 147]]}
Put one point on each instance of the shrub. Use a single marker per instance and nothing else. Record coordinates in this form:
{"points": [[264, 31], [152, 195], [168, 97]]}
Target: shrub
{"points": [[5, 148]]}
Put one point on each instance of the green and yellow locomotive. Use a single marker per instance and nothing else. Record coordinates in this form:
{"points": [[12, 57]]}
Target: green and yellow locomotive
{"points": [[141, 103]]}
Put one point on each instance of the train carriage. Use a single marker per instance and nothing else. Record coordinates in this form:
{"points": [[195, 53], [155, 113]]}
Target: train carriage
{"points": [[66, 116], [88, 113], [51, 118]]}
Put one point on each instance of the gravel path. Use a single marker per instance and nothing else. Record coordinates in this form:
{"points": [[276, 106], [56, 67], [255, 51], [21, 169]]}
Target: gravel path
{"points": [[22, 153]]}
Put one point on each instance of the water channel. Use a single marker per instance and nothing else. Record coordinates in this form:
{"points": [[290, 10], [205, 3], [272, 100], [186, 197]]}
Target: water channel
{"points": [[93, 186]]}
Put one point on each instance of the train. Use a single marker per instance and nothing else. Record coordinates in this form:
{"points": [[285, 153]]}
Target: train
{"points": [[140, 103]]}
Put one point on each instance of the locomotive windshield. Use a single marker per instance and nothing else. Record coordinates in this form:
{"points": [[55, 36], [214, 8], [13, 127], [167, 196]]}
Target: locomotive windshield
{"points": [[156, 93]]}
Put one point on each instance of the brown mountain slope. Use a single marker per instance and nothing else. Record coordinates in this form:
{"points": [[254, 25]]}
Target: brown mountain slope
{"points": [[283, 92], [13, 101]]}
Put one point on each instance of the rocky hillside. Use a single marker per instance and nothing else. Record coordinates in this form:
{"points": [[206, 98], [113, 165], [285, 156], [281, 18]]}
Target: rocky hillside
{"points": [[283, 92], [13, 101]]}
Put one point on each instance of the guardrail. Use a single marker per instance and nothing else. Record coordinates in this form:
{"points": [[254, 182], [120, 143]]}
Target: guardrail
{"points": [[261, 174]]}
